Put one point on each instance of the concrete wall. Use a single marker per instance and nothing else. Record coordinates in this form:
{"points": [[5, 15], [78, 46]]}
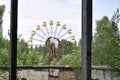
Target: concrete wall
{"points": [[43, 73], [60, 73], [102, 73], [48, 73]]}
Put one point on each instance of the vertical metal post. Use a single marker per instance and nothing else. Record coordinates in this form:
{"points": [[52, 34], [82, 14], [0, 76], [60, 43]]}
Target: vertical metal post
{"points": [[86, 39], [13, 40]]}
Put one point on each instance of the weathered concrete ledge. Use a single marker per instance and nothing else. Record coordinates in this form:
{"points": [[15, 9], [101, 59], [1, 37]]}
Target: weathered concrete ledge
{"points": [[61, 72]]}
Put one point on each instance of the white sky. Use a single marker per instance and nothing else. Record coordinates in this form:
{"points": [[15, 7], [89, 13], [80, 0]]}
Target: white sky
{"points": [[34, 12]]}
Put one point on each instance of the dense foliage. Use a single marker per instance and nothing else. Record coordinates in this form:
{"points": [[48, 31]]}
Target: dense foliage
{"points": [[106, 42], [39, 55], [71, 59]]}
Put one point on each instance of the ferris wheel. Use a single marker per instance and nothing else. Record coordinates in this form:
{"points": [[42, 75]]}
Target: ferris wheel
{"points": [[50, 35]]}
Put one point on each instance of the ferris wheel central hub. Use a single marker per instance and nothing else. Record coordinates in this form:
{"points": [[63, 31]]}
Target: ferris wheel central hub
{"points": [[53, 41]]}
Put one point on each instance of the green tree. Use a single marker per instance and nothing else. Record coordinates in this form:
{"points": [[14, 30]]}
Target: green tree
{"points": [[22, 47], [4, 52], [2, 9], [37, 58], [65, 48], [4, 57], [25, 57], [41, 53], [4, 43], [71, 59], [106, 43], [22, 52], [41, 49]]}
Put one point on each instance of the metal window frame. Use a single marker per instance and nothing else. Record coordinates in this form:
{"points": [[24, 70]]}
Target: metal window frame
{"points": [[13, 39], [86, 39]]}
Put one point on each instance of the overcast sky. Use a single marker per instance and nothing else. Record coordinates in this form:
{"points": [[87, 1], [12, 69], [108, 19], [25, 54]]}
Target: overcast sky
{"points": [[34, 12]]}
